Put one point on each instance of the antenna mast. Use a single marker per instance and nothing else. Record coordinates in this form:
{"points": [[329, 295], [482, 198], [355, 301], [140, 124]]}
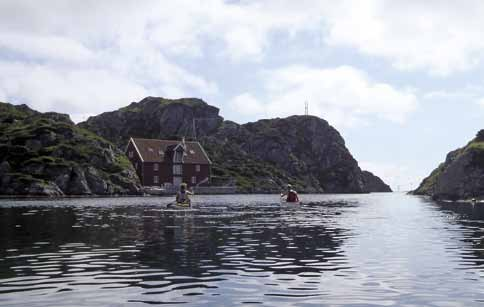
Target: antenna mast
{"points": [[306, 108], [194, 130]]}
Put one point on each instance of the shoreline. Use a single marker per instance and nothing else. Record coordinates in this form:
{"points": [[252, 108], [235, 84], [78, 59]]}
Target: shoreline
{"points": [[43, 197], [443, 200]]}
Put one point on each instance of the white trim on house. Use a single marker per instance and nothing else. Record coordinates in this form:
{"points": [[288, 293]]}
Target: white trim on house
{"points": [[183, 146], [204, 152], [136, 147], [175, 151]]}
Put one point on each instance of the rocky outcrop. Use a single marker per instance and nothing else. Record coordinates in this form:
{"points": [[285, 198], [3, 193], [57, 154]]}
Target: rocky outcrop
{"points": [[45, 154], [156, 118], [258, 157], [374, 183], [305, 150], [461, 176]]}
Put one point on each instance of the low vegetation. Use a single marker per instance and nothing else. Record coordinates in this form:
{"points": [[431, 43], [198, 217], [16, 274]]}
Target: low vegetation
{"points": [[38, 148]]}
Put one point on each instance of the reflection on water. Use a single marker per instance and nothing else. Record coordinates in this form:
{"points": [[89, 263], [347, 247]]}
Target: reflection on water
{"points": [[377, 249]]}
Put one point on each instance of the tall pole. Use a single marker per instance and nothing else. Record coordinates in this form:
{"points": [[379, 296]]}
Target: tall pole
{"points": [[194, 130], [306, 108]]}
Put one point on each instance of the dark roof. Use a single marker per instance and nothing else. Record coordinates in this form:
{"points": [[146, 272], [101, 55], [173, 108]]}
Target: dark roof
{"points": [[152, 150]]}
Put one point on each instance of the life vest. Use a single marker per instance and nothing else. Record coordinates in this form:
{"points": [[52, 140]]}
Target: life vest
{"points": [[292, 197], [183, 197]]}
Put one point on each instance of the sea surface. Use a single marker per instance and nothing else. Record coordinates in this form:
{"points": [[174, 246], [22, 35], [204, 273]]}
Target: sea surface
{"points": [[387, 249]]}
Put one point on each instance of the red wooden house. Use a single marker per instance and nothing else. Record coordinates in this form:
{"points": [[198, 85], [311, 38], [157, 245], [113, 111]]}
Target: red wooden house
{"points": [[169, 163]]}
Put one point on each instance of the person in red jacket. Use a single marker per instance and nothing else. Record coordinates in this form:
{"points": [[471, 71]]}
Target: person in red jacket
{"points": [[291, 195]]}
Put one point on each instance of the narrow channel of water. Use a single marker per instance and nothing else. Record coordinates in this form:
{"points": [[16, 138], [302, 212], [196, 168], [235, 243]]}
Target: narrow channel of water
{"points": [[335, 250]]}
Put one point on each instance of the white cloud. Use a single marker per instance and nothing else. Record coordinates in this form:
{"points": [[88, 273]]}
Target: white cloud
{"points": [[131, 48], [441, 37], [247, 104], [86, 59], [344, 95], [46, 48], [480, 102], [139, 48], [182, 27], [77, 91], [108, 81]]}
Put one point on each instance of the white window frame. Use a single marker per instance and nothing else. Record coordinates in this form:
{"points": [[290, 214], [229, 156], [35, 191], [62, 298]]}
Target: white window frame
{"points": [[178, 156], [155, 166], [194, 179], [197, 168], [156, 179], [177, 169]]}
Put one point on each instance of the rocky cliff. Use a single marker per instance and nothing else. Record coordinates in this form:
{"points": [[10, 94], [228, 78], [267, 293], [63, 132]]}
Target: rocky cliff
{"points": [[45, 154], [374, 183], [304, 150], [258, 157], [460, 176], [156, 118]]}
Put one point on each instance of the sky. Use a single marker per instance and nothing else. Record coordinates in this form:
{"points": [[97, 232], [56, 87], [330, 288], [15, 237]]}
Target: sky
{"points": [[401, 80]]}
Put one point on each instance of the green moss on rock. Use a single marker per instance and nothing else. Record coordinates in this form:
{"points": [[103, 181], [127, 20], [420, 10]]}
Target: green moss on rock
{"points": [[47, 153]]}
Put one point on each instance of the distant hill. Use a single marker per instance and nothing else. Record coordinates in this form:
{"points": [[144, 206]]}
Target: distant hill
{"points": [[257, 157], [46, 154], [460, 176]]}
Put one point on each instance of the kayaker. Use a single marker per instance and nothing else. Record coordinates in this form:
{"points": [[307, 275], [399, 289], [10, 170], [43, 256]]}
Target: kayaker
{"points": [[183, 196], [291, 195]]}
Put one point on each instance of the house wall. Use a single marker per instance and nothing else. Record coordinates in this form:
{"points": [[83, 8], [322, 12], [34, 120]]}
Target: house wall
{"points": [[135, 160], [146, 172], [189, 171], [165, 174]]}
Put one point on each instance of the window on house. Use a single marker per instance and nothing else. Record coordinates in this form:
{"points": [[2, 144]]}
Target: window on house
{"points": [[155, 179], [177, 169], [194, 179], [136, 165], [197, 168], [155, 166], [130, 154], [178, 157]]}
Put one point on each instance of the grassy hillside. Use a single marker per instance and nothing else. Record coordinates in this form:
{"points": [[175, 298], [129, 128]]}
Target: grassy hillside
{"points": [[460, 176], [45, 153]]}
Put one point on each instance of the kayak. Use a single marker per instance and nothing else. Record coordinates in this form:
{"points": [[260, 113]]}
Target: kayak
{"points": [[289, 203], [184, 205], [180, 210]]}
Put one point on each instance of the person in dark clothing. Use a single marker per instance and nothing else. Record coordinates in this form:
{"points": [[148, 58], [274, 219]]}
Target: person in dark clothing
{"points": [[291, 195]]}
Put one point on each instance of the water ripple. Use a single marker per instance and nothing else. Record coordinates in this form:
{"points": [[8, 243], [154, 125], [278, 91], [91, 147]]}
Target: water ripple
{"points": [[378, 250]]}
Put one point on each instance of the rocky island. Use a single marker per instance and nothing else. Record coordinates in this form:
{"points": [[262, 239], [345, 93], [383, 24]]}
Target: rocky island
{"points": [[46, 154], [460, 176], [256, 157]]}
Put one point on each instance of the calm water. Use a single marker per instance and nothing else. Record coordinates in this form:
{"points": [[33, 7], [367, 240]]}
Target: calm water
{"points": [[353, 250]]}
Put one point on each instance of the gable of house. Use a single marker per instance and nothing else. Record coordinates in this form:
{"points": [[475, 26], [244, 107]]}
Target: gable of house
{"points": [[153, 150]]}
